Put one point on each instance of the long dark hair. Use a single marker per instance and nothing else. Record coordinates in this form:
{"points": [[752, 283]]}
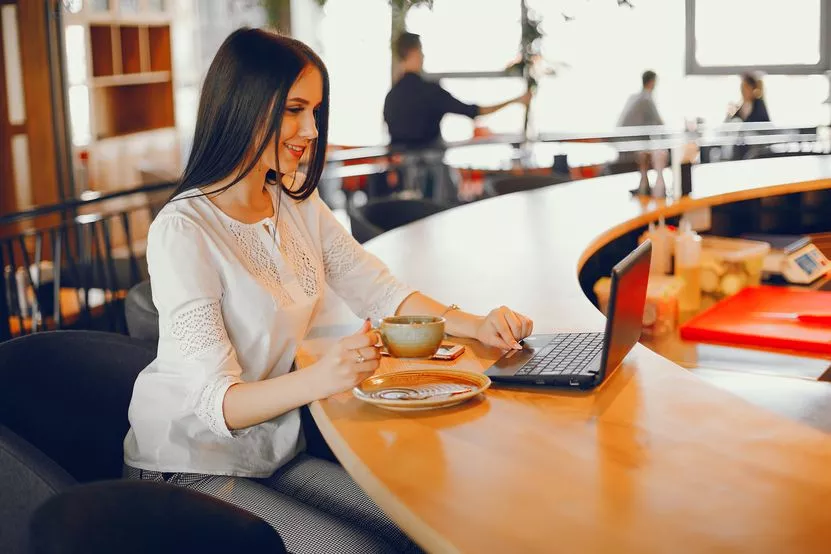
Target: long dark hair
{"points": [[242, 101]]}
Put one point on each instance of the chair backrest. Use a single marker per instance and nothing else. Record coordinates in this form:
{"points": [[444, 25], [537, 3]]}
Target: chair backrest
{"points": [[67, 393], [362, 229], [27, 479], [136, 517], [518, 183], [51, 256], [141, 314], [378, 216]]}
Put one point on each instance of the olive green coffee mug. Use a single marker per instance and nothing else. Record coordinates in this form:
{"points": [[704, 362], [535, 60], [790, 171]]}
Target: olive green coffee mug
{"points": [[412, 336]]}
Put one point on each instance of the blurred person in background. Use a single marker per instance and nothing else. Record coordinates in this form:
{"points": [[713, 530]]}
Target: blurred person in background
{"points": [[751, 110], [640, 110], [413, 110], [414, 107]]}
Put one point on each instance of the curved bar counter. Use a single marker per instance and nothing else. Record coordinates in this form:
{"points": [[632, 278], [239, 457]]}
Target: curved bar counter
{"points": [[655, 460]]}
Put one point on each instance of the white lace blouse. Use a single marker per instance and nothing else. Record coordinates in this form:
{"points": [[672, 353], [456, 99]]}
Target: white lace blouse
{"points": [[234, 301]]}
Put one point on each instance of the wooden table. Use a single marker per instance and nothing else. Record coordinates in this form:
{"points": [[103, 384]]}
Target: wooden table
{"points": [[656, 460]]}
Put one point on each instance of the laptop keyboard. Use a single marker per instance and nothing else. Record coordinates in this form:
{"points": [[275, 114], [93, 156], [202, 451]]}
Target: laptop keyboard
{"points": [[565, 354]]}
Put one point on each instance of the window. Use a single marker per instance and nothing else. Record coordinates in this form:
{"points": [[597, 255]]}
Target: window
{"points": [[355, 38], [484, 91], [467, 47], [78, 93], [100, 5], [774, 37], [465, 36]]}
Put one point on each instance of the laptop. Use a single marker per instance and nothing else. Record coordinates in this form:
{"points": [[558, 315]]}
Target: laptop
{"points": [[584, 360]]}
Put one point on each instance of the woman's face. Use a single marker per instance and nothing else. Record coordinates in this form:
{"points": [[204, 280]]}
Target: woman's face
{"points": [[298, 128]]}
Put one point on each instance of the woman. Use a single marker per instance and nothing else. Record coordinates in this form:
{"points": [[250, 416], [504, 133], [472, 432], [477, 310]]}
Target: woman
{"points": [[753, 108], [238, 261]]}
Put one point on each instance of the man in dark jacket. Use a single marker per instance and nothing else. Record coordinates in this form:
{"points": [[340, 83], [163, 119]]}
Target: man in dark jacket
{"points": [[413, 110], [414, 107]]}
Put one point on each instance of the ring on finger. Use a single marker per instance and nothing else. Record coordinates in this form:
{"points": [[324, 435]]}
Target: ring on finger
{"points": [[360, 357]]}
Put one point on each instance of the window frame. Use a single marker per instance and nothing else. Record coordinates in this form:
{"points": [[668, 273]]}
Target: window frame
{"points": [[694, 68]]}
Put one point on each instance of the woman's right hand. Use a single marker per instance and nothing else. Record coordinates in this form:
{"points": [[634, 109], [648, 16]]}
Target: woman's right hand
{"points": [[351, 360]]}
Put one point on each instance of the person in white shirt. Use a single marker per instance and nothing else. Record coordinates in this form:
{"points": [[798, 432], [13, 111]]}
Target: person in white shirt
{"points": [[238, 261]]}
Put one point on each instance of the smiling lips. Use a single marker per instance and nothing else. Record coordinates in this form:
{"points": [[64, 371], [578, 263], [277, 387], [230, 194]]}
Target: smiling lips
{"points": [[296, 151]]}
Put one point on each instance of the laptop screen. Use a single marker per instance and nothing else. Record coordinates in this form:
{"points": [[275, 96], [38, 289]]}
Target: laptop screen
{"points": [[630, 278]]}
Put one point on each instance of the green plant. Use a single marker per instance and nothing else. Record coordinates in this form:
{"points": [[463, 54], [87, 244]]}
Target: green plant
{"points": [[529, 63], [278, 13]]}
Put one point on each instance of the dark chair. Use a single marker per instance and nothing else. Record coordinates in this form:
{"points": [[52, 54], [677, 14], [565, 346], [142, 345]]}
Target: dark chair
{"points": [[67, 394], [27, 479], [63, 418], [519, 183], [67, 251], [378, 216], [141, 314], [139, 517]]}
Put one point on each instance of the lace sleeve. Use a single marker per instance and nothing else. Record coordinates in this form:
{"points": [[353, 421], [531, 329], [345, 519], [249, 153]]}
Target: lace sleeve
{"points": [[209, 405], [193, 341], [198, 329], [360, 278], [341, 257]]}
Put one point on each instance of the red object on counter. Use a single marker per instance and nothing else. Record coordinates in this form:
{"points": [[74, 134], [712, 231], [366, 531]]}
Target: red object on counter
{"points": [[750, 318]]}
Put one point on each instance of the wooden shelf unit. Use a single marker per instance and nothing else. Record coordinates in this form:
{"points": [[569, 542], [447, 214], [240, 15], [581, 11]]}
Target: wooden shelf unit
{"points": [[132, 108], [132, 78], [130, 82]]}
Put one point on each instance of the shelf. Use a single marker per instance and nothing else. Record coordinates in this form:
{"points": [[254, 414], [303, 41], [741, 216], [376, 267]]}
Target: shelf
{"points": [[159, 44], [101, 46], [128, 109], [131, 90], [132, 79], [130, 49]]}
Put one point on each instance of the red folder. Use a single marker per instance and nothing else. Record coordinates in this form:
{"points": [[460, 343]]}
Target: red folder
{"points": [[766, 317]]}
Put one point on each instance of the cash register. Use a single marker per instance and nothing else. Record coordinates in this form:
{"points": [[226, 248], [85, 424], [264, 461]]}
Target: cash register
{"points": [[794, 259]]}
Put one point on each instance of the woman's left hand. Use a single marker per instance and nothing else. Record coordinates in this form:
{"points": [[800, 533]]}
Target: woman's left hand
{"points": [[503, 328]]}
